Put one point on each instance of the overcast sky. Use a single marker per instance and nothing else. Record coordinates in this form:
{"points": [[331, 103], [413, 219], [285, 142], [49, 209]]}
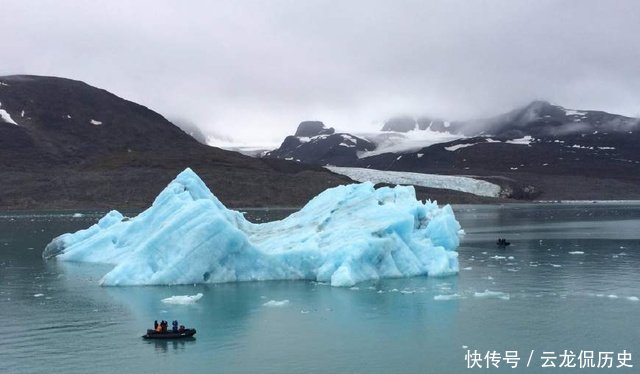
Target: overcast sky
{"points": [[255, 69]]}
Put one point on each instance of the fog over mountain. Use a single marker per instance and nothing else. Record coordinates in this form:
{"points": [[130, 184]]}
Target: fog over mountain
{"points": [[253, 70]]}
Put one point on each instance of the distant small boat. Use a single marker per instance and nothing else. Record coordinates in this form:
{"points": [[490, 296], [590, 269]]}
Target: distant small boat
{"points": [[170, 334], [503, 243]]}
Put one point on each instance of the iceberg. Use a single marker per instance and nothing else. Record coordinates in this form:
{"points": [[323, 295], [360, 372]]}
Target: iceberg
{"points": [[276, 303], [345, 235], [182, 299]]}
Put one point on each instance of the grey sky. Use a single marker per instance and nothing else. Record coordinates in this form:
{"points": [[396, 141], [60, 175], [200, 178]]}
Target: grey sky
{"points": [[254, 69]]}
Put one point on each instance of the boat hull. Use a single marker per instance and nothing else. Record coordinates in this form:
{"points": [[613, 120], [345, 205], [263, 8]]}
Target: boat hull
{"points": [[152, 334]]}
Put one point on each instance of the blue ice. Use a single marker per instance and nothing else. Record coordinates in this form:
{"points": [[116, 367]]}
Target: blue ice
{"points": [[345, 235]]}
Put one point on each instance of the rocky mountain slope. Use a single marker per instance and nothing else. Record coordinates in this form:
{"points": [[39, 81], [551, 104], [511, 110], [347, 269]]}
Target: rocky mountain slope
{"points": [[313, 143], [540, 151], [65, 144]]}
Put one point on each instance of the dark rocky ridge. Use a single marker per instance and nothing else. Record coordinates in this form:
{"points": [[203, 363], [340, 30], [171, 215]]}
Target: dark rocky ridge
{"points": [[313, 128], [570, 154], [58, 158], [319, 145]]}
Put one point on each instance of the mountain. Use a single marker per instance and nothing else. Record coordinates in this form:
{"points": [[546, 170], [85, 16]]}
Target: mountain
{"points": [[408, 123], [541, 151], [190, 128], [66, 144], [314, 143]]}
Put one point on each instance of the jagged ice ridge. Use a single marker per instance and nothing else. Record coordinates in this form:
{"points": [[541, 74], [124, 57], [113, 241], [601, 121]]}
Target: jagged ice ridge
{"points": [[345, 235]]}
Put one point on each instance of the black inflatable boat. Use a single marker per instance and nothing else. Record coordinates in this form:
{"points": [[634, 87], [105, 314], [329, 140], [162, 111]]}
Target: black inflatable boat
{"points": [[170, 334]]}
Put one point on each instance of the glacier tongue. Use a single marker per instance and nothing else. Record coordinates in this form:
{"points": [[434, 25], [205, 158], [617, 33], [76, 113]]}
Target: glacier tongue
{"points": [[345, 235]]}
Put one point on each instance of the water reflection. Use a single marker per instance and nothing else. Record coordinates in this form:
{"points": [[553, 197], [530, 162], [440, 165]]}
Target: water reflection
{"points": [[163, 345], [567, 267]]}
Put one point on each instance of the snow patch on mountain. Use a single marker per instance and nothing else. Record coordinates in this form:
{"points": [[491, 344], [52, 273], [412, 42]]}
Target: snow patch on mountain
{"points": [[398, 142], [572, 112], [458, 146], [6, 117], [522, 141]]}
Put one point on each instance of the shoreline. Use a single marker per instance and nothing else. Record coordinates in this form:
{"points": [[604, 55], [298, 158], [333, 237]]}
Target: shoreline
{"points": [[8, 213]]}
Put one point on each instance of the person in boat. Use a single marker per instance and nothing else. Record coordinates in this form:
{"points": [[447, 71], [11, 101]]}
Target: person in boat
{"points": [[502, 242], [174, 326], [181, 329], [158, 328], [155, 324]]}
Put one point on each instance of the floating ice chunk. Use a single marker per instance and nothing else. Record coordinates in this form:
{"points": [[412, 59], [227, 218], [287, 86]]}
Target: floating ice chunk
{"points": [[492, 295], [633, 298], [276, 303], [95, 122], [468, 268], [38, 295], [182, 299], [576, 253], [77, 215], [454, 296], [345, 235]]}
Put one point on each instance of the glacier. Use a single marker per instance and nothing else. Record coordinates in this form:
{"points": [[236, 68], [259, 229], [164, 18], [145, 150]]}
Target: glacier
{"points": [[345, 235], [450, 182]]}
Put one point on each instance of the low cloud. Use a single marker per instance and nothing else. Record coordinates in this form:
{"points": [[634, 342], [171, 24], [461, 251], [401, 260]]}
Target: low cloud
{"points": [[254, 70]]}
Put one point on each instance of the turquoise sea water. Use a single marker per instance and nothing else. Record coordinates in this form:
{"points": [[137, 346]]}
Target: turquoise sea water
{"points": [[569, 281]]}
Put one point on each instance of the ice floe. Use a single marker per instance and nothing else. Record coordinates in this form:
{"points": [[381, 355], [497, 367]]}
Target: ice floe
{"points": [[183, 299]]}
